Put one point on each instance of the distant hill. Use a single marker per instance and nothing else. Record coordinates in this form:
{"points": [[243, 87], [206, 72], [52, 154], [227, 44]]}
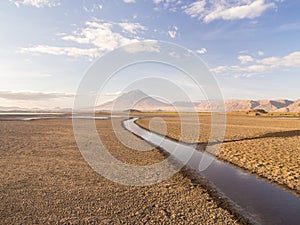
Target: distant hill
{"points": [[271, 105], [135, 100], [132, 111], [240, 105], [294, 107]]}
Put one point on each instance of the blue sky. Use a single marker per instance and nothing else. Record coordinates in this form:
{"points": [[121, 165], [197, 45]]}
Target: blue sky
{"points": [[252, 46]]}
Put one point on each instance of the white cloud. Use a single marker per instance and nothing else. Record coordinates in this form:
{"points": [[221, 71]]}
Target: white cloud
{"points": [[259, 66], [244, 59], [149, 46], [174, 54], [94, 8], [171, 5], [208, 11], [173, 32], [196, 9], [249, 10], [291, 60], [260, 53], [129, 1], [272, 61], [220, 69], [254, 69], [132, 28], [36, 3], [240, 70], [68, 51], [201, 51], [102, 35]]}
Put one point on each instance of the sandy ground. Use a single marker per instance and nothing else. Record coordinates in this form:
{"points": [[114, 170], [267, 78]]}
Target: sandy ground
{"points": [[267, 146], [45, 180]]}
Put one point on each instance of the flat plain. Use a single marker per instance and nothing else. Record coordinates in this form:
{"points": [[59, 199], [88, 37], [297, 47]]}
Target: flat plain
{"points": [[45, 180]]}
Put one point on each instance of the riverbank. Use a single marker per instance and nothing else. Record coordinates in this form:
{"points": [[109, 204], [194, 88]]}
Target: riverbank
{"points": [[266, 146]]}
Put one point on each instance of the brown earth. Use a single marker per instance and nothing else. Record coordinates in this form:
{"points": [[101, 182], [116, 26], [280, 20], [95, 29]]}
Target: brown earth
{"points": [[267, 146], [45, 180]]}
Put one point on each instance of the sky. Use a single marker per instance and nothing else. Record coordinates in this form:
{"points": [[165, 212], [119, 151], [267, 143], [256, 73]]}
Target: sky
{"points": [[46, 46]]}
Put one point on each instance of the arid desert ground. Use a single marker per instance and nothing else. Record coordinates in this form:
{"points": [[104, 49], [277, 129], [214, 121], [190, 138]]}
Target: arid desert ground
{"points": [[45, 180]]}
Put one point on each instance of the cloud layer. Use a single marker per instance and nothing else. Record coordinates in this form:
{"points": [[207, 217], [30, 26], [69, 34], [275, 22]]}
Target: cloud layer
{"points": [[68, 51], [36, 3], [251, 66], [32, 96], [129, 1], [102, 36], [210, 10]]}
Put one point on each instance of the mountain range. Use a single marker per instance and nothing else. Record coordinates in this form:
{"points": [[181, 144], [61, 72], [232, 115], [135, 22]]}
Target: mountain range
{"points": [[138, 100]]}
